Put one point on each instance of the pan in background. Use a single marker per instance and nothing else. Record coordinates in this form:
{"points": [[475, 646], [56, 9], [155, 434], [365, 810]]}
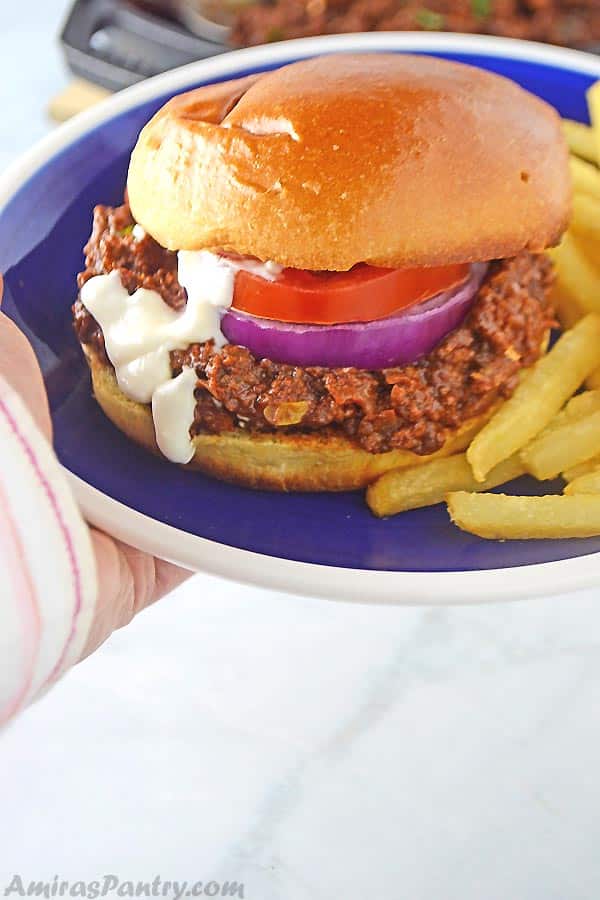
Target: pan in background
{"points": [[115, 43]]}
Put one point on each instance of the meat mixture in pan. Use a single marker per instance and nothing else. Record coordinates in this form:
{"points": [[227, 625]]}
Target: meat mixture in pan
{"points": [[573, 23], [413, 407]]}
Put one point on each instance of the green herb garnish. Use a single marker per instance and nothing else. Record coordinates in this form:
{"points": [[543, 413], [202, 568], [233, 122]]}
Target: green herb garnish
{"points": [[482, 8], [275, 34], [125, 231], [430, 20]]}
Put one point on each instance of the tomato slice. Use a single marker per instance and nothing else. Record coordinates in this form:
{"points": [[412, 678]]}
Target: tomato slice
{"points": [[363, 294]]}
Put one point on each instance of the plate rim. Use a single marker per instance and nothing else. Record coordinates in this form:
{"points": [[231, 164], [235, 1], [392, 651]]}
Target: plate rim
{"points": [[330, 582], [244, 566]]}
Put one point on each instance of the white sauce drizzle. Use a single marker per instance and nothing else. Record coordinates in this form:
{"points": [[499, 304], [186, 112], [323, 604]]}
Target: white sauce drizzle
{"points": [[140, 331], [173, 406]]}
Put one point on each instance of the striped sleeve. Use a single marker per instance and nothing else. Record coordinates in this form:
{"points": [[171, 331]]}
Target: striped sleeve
{"points": [[47, 570]]}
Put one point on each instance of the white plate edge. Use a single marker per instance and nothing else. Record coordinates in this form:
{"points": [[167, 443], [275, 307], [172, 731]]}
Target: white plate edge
{"points": [[332, 582]]}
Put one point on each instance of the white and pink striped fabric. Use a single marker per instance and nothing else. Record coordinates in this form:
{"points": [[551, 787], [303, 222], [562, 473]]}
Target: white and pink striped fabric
{"points": [[47, 570]]}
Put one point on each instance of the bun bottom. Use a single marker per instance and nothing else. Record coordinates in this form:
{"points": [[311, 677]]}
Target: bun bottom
{"points": [[272, 462]]}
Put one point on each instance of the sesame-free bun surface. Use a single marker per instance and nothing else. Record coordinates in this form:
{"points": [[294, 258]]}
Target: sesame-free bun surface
{"points": [[394, 160], [274, 462]]}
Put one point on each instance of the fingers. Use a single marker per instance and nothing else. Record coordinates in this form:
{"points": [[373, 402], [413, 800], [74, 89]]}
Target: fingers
{"points": [[168, 577], [19, 366], [128, 581]]}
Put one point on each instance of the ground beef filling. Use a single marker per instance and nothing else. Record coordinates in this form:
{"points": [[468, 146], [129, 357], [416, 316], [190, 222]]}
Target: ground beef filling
{"points": [[411, 407], [574, 23]]}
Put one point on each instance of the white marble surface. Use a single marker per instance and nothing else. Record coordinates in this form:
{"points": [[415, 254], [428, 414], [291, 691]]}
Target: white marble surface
{"points": [[307, 749]]}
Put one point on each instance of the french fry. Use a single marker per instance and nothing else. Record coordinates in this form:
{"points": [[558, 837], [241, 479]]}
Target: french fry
{"points": [[593, 382], [500, 517], [582, 405], [568, 310], [585, 217], [593, 99], [578, 407], [428, 484], [585, 177], [580, 139], [589, 247], [585, 484], [559, 449], [582, 469], [576, 277], [538, 398]]}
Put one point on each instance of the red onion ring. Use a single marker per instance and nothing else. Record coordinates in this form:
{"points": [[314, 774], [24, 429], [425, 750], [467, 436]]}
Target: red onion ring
{"points": [[393, 341]]}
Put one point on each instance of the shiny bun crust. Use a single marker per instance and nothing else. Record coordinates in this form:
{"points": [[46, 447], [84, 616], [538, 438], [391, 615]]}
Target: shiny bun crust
{"points": [[394, 160], [285, 462]]}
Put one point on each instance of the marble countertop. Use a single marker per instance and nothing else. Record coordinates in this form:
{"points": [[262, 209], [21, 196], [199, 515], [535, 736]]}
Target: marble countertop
{"points": [[303, 748]]}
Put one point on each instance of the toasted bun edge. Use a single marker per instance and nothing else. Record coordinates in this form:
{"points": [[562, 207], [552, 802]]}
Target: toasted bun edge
{"points": [[273, 462]]}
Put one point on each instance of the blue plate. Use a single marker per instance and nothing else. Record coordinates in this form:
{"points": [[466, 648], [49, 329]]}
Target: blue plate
{"points": [[44, 223]]}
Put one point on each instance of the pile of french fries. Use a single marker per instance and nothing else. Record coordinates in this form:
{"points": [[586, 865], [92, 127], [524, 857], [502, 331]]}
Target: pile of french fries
{"points": [[550, 427]]}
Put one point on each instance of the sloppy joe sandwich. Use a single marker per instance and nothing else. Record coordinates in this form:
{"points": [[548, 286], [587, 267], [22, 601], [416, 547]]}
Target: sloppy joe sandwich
{"points": [[326, 271]]}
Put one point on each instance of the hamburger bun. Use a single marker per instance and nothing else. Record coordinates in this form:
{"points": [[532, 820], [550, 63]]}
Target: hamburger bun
{"points": [[393, 160], [273, 462]]}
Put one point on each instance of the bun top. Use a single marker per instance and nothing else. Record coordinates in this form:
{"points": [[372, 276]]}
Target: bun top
{"points": [[393, 160]]}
